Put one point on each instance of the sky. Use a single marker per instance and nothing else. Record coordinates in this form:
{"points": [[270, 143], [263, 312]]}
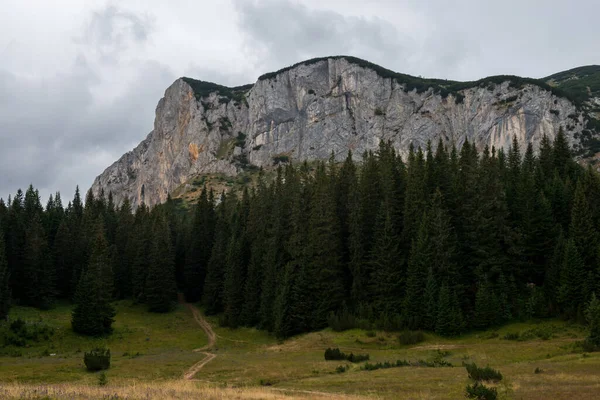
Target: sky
{"points": [[80, 79]]}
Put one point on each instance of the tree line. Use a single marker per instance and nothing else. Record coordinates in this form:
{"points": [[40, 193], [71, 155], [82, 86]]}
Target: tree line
{"points": [[446, 240]]}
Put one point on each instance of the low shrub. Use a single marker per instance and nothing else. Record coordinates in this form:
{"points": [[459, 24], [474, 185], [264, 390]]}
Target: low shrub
{"points": [[343, 320], [404, 363], [370, 334], [280, 159], [512, 336], [102, 381], [97, 359], [480, 392], [342, 368], [411, 337], [20, 333], [482, 374], [336, 354]]}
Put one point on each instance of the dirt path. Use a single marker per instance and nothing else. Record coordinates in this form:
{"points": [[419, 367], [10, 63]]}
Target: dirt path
{"points": [[212, 339]]}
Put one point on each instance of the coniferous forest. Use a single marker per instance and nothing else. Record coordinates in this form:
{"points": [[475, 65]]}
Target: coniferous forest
{"points": [[446, 240]]}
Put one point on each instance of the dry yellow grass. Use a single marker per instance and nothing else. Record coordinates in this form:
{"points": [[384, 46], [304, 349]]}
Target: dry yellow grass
{"points": [[170, 390]]}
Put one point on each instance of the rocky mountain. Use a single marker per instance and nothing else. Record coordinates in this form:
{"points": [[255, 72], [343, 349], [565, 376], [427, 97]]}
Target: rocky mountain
{"points": [[337, 104]]}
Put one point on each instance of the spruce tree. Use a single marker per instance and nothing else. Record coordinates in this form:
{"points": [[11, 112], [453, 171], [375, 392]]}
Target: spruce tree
{"points": [[160, 292], [123, 261], [592, 316], [582, 229], [324, 250], [416, 276], [572, 280], [486, 306], [198, 252], [37, 271], [431, 298], [449, 320], [212, 296], [4, 280], [93, 314], [387, 275], [235, 275]]}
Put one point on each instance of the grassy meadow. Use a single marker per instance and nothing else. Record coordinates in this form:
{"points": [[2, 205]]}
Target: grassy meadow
{"points": [[151, 352]]}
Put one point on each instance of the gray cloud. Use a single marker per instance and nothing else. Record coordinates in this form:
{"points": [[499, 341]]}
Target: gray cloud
{"points": [[280, 33], [111, 31], [79, 85], [61, 130]]}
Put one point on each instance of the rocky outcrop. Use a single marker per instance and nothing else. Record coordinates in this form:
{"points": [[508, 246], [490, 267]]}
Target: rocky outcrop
{"points": [[313, 109]]}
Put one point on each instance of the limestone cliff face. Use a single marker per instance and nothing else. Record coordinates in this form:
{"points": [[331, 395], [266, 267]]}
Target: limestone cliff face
{"points": [[308, 111]]}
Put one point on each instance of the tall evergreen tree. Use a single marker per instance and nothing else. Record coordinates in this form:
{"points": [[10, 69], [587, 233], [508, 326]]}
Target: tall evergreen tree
{"points": [[212, 297], [199, 250], [94, 314], [161, 290], [572, 282], [4, 281]]}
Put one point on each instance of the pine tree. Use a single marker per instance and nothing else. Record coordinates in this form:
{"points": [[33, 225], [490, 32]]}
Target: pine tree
{"points": [[582, 229], [572, 280], [37, 271], [562, 156], [93, 314], [212, 296], [161, 290], [198, 252], [235, 275], [416, 276], [124, 255], [139, 248], [324, 251], [486, 306], [63, 259], [431, 298], [387, 277], [4, 280], [258, 227], [449, 317], [592, 316]]}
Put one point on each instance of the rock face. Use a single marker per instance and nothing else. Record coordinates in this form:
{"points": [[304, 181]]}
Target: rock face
{"points": [[310, 110]]}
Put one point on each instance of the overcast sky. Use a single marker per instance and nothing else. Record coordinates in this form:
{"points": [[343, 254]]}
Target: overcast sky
{"points": [[80, 79]]}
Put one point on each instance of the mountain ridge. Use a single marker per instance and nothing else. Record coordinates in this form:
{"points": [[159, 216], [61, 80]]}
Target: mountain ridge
{"points": [[340, 103]]}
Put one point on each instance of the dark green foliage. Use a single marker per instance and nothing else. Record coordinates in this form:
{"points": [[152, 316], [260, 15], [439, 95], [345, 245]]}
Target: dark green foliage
{"points": [[102, 380], [480, 392], [340, 369], [203, 89], [93, 314], [97, 359], [479, 374], [336, 354], [161, 290], [344, 320], [281, 159], [579, 82], [592, 316], [404, 363], [4, 281], [21, 333], [411, 337], [446, 241], [572, 293]]}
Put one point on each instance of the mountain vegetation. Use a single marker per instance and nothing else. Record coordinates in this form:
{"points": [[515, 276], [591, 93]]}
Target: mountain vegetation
{"points": [[446, 240]]}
